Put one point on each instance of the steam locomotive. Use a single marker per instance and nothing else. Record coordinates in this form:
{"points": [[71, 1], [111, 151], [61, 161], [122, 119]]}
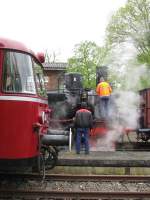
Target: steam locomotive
{"points": [[64, 103]]}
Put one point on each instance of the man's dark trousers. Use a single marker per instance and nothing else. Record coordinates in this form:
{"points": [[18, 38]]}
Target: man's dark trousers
{"points": [[85, 133]]}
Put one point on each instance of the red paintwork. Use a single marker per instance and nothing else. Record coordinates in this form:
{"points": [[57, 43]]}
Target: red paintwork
{"points": [[15, 45], [18, 140], [99, 129]]}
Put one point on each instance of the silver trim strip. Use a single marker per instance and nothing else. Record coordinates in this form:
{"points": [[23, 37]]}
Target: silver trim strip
{"points": [[18, 98]]}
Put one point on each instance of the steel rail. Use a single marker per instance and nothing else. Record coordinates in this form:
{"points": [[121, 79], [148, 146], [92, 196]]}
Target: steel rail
{"points": [[70, 177], [97, 177], [71, 194]]}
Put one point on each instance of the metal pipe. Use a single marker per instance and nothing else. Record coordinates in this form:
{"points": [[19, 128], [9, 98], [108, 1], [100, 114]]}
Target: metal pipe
{"points": [[57, 132], [70, 140], [55, 140]]}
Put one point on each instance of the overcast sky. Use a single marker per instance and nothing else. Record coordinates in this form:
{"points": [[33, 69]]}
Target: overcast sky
{"points": [[56, 25]]}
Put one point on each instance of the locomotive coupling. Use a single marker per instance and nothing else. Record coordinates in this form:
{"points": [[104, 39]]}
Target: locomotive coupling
{"points": [[56, 137]]}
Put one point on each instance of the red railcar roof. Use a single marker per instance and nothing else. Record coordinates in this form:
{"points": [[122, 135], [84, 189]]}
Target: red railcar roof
{"points": [[15, 45]]}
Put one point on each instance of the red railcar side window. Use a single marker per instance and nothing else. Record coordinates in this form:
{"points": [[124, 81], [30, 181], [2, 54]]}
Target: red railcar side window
{"points": [[39, 79], [18, 73]]}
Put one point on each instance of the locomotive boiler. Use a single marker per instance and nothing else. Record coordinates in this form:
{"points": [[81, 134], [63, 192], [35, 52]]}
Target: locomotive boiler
{"points": [[64, 103]]}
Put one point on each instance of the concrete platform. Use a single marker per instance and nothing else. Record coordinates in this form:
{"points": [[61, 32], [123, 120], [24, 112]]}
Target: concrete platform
{"points": [[105, 159]]}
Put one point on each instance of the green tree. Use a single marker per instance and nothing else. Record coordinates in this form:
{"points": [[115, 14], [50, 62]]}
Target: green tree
{"points": [[87, 56], [131, 23]]}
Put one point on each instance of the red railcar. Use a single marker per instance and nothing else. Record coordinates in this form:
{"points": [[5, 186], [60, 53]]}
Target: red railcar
{"points": [[23, 105]]}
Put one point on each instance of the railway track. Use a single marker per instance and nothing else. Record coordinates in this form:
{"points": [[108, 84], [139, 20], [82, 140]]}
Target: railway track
{"points": [[43, 190], [68, 177], [36, 194]]}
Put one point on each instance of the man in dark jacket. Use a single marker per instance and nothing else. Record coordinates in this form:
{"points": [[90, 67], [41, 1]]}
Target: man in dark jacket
{"points": [[83, 122]]}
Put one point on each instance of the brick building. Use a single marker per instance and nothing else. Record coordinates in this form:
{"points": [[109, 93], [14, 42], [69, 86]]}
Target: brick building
{"points": [[54, 75]]}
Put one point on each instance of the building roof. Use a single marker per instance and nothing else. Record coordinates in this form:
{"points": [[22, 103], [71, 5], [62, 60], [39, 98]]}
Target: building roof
{"points": [[55, 66]]}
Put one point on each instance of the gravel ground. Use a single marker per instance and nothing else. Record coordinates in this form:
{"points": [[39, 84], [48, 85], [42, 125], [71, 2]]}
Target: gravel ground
{"points": [[77, 186]]}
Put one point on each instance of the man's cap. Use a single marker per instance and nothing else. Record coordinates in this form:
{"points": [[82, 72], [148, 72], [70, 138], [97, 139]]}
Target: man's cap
{"points": [[83, 105]]}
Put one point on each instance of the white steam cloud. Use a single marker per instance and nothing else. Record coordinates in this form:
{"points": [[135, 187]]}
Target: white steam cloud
{"points": [[124, 111], [124, 114]]}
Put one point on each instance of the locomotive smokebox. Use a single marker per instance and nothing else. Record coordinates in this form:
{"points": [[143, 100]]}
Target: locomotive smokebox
{"points": [[56, 138], [73, 81]]}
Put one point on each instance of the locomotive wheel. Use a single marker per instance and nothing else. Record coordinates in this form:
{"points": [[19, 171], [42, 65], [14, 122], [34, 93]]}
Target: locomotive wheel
{"points": [[51, 157]]}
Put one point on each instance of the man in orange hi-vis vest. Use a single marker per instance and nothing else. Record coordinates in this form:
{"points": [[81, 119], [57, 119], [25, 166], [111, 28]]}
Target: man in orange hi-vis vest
{"points": [[104, 91]]}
